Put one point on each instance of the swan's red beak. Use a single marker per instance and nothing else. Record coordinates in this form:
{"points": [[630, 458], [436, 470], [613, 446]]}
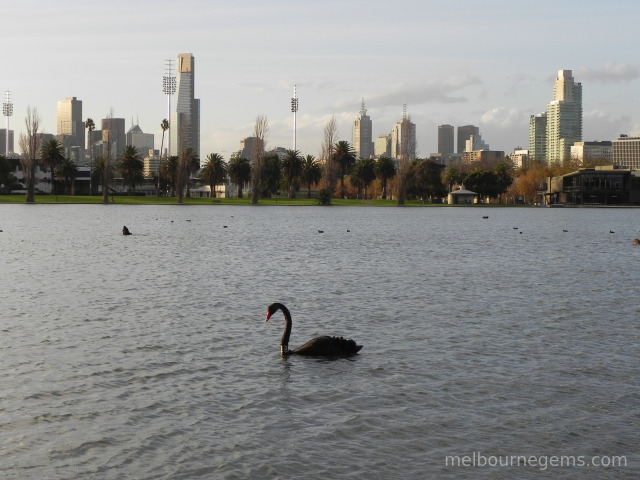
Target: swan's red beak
{"points": [[268, 317]]}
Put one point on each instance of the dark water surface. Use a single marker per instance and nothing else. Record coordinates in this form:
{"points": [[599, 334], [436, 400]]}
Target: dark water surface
{"points": [[148, 356]]}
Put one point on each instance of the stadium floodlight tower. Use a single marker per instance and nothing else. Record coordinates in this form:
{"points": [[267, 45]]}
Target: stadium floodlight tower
{"points": [[169, 88], [294, 110], [7, 111]]}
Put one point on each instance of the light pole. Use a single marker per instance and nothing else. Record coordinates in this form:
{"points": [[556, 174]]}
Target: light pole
{"points": [[169, 88], [7, 111], [294, 110]]}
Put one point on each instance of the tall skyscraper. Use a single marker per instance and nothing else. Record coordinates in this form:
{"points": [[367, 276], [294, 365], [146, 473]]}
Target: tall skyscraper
{"points": [[465, 133], [445, 140], [538, 137], [362, 134], [564, 117], [403, 138], [113, 132], [70, 123], [185, 121]]}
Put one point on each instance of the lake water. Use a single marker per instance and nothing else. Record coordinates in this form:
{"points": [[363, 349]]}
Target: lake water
{"points": [[148, 356]]}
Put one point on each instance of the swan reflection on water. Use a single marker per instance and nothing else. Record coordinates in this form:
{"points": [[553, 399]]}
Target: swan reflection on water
{"points": [[324, 346]]}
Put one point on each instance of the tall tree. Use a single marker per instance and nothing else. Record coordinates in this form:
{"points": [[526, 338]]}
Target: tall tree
{"points": [[271, 174], [169, 172], [239, 170], [68, 170], [344, 156], [311, 173], [52, 157], [385, 171], [90, 126], [109, 143], [363, 173], [451, 176], [164, 125], [426, 180], [30, 145], [291, 170], [185, 162], [407, 148], [214, 171], [328, 144], [131, 167], [102, 173], [260, 133]]}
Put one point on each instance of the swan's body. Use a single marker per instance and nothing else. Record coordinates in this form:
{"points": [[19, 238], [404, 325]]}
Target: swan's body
{"points": [[321, 346], [125, 231]]}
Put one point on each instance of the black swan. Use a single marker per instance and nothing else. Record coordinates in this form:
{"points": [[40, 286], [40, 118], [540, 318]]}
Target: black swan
{"points": [[125, 231], [321, 346]]}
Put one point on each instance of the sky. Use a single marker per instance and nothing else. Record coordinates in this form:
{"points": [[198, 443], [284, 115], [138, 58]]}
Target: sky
{"points": [[491, 64]]}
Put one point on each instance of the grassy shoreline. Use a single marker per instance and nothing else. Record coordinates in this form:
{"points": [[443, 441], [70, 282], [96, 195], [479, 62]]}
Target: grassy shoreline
{"points": [[138, 200]]}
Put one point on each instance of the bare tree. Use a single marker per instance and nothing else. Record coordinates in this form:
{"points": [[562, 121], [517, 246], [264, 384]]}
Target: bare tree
{"points": [[30, 147], [329, 141], [407, 150], [109, 140], [261, 133]]}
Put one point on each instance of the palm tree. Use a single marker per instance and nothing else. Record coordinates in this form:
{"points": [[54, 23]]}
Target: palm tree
{"points": [[311, 172], [214, 171], [52, 157], [451, 176], [183, 174], [164, 125], [239, 171], [90, 126], [131, 167], [363, 173], [345, 157], [68, 170], [291, 169], [385, 170], [169, 171]]}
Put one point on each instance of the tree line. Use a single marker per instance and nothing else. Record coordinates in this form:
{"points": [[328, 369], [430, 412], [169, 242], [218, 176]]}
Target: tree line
{"points": [[338, 174]]}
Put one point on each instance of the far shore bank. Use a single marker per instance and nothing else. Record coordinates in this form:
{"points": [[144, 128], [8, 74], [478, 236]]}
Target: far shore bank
{"points": [[138, 200]]}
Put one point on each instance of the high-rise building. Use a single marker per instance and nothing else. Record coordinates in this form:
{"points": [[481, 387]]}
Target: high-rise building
{"points": [[70, 123], [403, 139], [142, 141], [538, 137], [185, 121], [362, 134], [114, 138], [592, 152], [445, 140], [4, 142], [465, 133], [564, 117], [382, 146], [626, 151]]}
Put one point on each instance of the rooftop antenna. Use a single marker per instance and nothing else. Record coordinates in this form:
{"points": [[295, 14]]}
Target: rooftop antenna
{"points": [[363, 110]]}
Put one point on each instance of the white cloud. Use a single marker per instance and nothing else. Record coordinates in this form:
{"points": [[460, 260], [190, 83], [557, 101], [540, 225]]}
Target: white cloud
{"points": [[611, 72]]}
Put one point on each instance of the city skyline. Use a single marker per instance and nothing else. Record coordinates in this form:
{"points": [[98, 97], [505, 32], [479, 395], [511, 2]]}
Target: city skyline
{"points": [[491, 65]]}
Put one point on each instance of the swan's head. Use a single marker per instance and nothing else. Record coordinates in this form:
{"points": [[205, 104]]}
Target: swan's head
{"points": [[271, 309]]}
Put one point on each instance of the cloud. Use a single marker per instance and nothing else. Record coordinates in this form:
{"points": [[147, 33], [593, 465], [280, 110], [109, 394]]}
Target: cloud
{"points": [[442, 92], [611, 72], [504, 117]]}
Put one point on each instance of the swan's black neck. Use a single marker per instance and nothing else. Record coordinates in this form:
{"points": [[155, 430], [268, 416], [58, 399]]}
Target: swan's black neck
{"points": [[284, 342]]}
